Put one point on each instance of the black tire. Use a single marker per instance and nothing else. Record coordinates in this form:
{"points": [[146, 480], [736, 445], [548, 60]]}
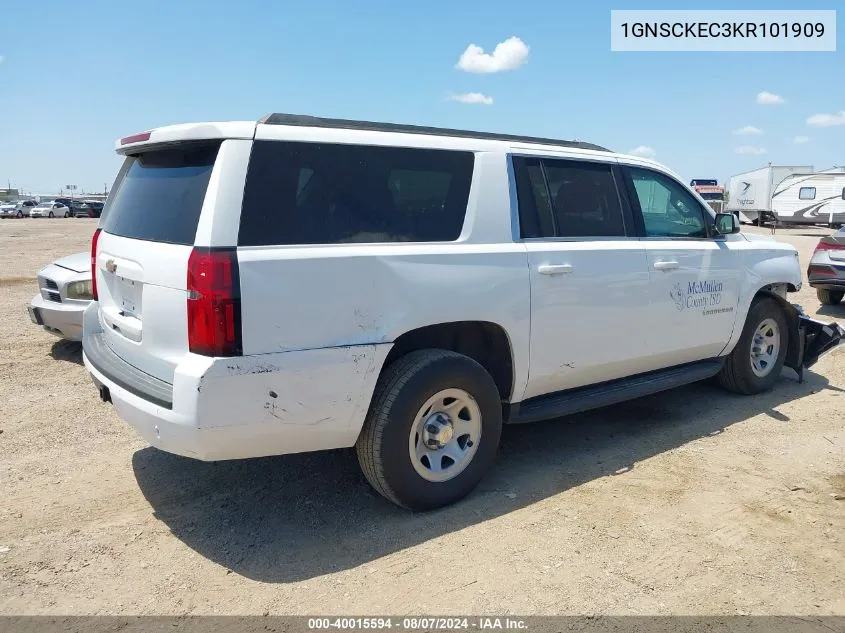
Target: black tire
{"points": [[737, 374], [50, 215], [402, 389], [830, 297], [20, 214]]}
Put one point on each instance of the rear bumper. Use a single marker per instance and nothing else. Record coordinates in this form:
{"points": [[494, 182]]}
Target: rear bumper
{"points": [[252, 406], [61, 319], [828, 283]]}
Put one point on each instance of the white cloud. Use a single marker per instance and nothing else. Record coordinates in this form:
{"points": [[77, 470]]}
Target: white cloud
{"points": [[2, 59], [750, 149], [643, 150], [510, 54], [798, 140], [768, 98], [827, 120], [748, 130], [472, 97]]}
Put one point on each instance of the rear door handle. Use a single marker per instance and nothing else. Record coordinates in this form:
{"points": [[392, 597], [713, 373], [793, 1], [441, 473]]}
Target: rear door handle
{"points": [[554, 269], [665, 265]]}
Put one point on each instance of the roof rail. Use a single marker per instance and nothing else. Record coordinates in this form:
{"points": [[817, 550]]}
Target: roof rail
{"points": [[345, 124]]}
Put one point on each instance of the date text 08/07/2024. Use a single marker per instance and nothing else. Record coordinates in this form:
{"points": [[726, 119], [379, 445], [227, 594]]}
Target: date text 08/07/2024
{"points": [[418, 623]]}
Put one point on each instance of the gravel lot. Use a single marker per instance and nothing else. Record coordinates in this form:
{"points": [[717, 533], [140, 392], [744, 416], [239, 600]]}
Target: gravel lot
{"points": [[693, 501]]}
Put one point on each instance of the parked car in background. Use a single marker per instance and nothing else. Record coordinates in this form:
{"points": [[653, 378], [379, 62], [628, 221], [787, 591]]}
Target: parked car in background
{"points": [[89, 209], [64, 292], [10, 210], [826, 271], [19, 209], [73, 204], [51, 209]]}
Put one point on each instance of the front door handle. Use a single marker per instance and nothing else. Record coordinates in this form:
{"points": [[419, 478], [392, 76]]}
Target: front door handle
{"points": [[665, 265], [554, 269]]}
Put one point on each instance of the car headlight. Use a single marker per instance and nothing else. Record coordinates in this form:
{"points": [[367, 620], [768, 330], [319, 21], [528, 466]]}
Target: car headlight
{"points": [[80, 290]]}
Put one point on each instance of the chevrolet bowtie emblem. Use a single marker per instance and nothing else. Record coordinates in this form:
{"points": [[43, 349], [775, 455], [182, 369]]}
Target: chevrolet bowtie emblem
{"points": [[111, 266]]}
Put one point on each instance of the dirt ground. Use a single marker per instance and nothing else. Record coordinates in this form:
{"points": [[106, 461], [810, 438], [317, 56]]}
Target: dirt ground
{"points": [[689, 502]]}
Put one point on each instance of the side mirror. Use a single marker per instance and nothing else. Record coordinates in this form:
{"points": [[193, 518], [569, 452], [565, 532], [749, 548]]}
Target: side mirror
{"points": [[726, 223]]}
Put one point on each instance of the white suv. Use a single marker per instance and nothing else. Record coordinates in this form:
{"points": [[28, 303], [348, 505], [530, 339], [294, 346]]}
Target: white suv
{"points": [[300, 284]]}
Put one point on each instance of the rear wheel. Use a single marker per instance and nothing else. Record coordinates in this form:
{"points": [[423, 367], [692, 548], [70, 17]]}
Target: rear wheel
{"points": [[20, 214], [830, 297], [756, 362], [432, 429]]}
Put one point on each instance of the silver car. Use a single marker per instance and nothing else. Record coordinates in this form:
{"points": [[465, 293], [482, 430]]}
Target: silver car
{"points": [[826, 272], [64, 293]]}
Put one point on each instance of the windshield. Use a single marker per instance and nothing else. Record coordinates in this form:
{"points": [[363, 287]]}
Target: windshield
{"points": [[711, 195]]}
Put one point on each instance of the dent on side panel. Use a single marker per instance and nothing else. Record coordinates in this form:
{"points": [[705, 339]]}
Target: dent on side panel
{"points": [[324, 297], [327, 390]]}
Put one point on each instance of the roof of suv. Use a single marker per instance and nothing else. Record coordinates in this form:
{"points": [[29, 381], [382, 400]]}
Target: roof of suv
{"points": [[298, 120], [463, 139]]}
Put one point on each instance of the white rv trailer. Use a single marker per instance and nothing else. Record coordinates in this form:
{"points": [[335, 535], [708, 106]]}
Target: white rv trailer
{"points": [[816, 198], [750, 193]]}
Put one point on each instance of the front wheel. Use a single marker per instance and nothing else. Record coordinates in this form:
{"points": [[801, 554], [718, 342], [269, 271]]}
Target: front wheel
{"points": [[50, 215], [20, 214], [755, 363], [830, 297], [432, 429]]}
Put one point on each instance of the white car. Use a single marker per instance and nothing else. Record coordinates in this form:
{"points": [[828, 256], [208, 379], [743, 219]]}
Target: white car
{"points": [[64, 291], [18, 209], [300, 284], [50, 209]]}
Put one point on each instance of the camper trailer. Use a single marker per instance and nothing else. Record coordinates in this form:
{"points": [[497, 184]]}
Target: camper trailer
{"points": [[750, 193], [815, 198]]}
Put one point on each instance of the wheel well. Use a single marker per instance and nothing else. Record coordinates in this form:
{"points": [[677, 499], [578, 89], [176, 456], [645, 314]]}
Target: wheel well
{"points": [[484, 342]]}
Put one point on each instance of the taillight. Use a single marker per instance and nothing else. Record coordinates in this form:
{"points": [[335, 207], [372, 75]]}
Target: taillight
{"points": [[214, 302], [828, 246], [94, 241]]}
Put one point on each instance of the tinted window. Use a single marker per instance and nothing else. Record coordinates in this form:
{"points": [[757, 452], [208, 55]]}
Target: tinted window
{"points": [[535, 211], [160, 197], [317, 193], [668, 209], [807, 193], [584, 199]]}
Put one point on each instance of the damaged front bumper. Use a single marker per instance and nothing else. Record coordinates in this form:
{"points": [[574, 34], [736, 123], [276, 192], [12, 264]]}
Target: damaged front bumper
{"points": [[813, 340]]}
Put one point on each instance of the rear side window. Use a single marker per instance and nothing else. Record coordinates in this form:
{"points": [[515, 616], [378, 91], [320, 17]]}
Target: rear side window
{"points": [[318, 193], [567, 198], [584, 199], [160, 196], [807, 193]]}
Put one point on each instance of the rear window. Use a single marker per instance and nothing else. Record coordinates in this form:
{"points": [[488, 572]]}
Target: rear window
{"points": [[317, 193], [160, 197]]}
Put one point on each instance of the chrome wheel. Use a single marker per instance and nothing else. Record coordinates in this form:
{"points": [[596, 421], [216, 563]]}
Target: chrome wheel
{"points": [[445, 435], [765, 347]]}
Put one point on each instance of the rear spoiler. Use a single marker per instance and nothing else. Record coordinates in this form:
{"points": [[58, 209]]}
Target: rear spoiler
{"points": [[186, 132]]}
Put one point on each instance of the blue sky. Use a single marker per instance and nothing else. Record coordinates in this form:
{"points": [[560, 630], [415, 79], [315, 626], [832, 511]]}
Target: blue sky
{"points": [[77, 75]]}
